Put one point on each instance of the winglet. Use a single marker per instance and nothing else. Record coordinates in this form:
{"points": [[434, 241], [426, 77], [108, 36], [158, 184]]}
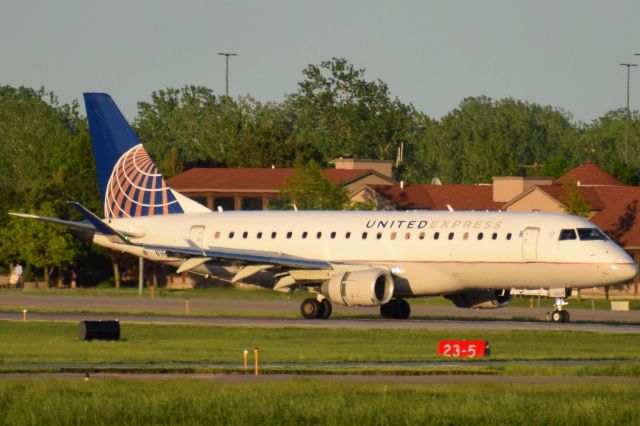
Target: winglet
{"points": [[100, 226]]}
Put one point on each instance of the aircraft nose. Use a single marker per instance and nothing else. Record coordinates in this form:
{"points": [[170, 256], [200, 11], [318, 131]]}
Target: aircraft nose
{"points": [[625, 268], [627, 271]]}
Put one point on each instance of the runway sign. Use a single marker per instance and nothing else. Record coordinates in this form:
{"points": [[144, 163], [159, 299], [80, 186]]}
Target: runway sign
{"points": [[463, 348]]}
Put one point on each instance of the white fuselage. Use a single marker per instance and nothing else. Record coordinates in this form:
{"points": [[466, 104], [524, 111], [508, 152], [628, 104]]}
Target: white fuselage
{"points": [[428, 253]]}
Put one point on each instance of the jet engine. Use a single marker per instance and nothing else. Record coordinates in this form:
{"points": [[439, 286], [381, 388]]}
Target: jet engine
{"points": [[369, 287], [480, 299]]}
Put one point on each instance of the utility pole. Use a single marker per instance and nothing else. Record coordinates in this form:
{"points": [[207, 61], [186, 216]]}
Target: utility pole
{"points": [[626, 137], [227, 73]]}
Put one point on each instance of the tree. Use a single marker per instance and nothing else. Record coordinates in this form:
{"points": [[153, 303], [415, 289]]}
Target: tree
{"points": [[309, 190], [337, 111], [573, 200], [484, 138], [39, 244], [190, 125], [602, 142]]}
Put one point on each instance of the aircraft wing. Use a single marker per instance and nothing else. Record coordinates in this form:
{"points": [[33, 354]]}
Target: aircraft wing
{"points": [[249, 256]]}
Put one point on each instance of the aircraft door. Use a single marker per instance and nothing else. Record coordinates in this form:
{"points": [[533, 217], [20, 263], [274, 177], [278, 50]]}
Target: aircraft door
{"points": [[530, 244], [195, 236]]}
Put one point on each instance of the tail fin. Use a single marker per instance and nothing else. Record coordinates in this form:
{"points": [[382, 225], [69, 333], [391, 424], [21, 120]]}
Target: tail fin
{"points": [[130, 184]]}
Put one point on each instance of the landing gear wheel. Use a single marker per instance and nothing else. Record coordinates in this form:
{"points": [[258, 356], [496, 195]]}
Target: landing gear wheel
{"points": [[326, 308], [395, 309], [311, 309], [560, 316]]}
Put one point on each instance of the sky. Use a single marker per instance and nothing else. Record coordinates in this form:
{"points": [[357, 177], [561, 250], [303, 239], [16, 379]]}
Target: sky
{"points": [[433, 54]]}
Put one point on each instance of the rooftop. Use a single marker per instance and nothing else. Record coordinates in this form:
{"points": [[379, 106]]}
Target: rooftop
{"points": [[588, 174], [245, 179]]}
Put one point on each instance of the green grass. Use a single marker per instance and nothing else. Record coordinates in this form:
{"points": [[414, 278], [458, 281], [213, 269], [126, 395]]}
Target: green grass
{"points": [[310, 400], [305, 402], [35, 342]]}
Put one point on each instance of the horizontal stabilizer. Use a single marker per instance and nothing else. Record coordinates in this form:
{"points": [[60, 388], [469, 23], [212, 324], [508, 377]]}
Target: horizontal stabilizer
{"points": [[83, 226], [98, 223]]}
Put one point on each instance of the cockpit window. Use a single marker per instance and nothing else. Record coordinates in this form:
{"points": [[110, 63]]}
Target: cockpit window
{"points": [[567, 234], [589, 234]]}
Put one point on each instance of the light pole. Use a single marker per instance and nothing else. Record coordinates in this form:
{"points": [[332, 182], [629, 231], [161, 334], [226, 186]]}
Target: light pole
{"points": [[626, 137], [227, 73]]}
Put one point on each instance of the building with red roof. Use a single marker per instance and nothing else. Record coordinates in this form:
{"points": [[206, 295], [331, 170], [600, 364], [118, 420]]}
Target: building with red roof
{"points": [[588, 174], [256, 188]]}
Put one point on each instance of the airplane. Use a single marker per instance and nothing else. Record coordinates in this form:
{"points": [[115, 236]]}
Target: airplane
{"points": [[350, 258]]}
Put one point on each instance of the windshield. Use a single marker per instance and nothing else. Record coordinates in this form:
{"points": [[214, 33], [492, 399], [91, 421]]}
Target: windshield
{"points": [[567, 234], [587, 234]]}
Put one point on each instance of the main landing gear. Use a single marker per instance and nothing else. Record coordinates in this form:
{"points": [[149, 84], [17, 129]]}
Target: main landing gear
{"points": [[321, 309], [315, 309], [395, 309], [560, 315]]}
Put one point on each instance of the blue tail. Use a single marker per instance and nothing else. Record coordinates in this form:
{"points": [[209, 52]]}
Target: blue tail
{"points": [[130, 183]]}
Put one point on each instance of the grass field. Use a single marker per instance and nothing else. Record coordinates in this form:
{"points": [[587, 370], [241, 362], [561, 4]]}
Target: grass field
{"points": [[306, 402], [37, 342]]}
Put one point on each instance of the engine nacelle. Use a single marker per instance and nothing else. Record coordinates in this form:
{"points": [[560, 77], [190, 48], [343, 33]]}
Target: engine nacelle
{"points": [[370, 287], [480, 299]]}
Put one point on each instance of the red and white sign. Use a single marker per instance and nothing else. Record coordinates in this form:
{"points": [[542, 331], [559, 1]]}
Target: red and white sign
{"points": [[463, 348]]}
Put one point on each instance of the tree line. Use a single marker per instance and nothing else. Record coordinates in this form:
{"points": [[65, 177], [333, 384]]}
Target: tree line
{"points": [[46, 159]]}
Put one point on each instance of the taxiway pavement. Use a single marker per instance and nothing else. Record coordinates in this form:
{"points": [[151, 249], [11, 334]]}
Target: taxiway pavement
{"points": [[219, 312]]}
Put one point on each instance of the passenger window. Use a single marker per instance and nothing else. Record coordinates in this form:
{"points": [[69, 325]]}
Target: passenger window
{"points": [[494, 236], [216, 235], [319, 235], [379, 235], [333, 235], [364, 235], [347, 235], [274, 235], [393, 235], [567, 234], [259, 235], [245, 234], [231, 234], [407, 235], [508, 236], [421, 236], [289, 234], [304, 235], [465, 236], [480, 236], [436, 236], [451, 235]]}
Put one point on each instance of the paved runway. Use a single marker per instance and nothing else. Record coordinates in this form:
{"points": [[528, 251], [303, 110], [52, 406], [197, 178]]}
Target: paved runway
{"points": [[212, 312], [332, 323]]}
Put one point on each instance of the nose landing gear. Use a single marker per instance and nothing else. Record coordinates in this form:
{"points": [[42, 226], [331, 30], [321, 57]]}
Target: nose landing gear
{"points": [[559, 315]]}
